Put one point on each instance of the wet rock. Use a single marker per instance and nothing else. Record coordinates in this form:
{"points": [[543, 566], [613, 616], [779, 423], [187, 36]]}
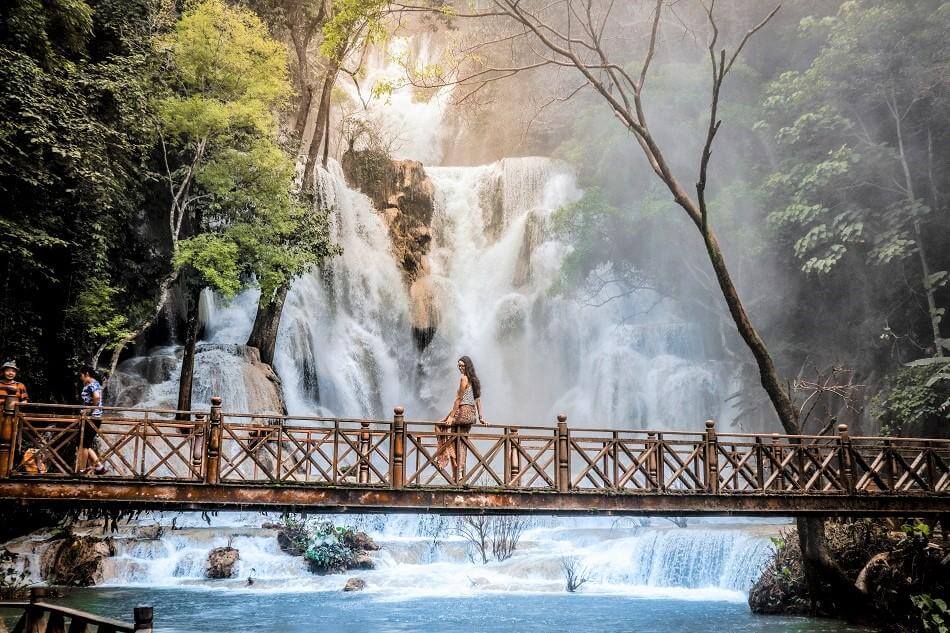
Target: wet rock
{"points": [[533, 237], [149, 532], [75, 561], [423, 311], [354, 584], [359, 541], [362, 561], [221, 562], [271, 525]]}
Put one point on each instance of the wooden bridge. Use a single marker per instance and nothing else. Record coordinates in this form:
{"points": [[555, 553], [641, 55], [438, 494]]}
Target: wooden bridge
{"points": [[214, 460]]}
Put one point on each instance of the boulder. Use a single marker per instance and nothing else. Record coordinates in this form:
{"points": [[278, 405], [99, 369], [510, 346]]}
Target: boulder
{"points": [[75, 561], [148, 532], [221, 562], [354, 584], [359, 541], [362, 561]]}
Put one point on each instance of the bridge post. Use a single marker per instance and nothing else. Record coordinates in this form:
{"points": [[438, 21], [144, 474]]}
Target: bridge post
{"points": [[845, 468], [759, 464], [7, 432], [512, 456], [777, 461], [213, 445], [143, 616], [363, 472], [198, 442], [889, 474], [654, 447], [712, 458], [563, 453], [397, 462]]}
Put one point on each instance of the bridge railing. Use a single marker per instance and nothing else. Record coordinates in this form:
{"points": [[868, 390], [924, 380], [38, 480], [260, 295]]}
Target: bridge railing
{"points": [[42, 617], [217, 447]]}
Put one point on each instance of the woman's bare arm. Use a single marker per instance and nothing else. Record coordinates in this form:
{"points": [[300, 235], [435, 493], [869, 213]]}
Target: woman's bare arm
{"points": [[478, 407]]}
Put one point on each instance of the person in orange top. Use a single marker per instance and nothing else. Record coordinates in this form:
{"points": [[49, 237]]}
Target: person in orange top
{"points": [[10, 383]]}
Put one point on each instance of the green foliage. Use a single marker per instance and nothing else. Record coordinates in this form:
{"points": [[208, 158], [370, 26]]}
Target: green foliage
{"points": [[14, 579], [231, 79], [230, 74], [215, 258], [918, 532], [934, 613], [349, 20], [76, 81], [840, 186], [96, 310], [323, 544], [915, 400]]}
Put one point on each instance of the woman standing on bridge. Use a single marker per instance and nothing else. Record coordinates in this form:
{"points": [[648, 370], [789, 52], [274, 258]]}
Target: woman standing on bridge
{"points": [[466, 411]]}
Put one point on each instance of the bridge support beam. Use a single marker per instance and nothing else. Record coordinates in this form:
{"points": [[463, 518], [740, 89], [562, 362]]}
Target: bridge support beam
{"points": [[245, 497]]}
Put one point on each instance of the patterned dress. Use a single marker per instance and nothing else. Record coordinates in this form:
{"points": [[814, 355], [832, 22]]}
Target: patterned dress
{"points": [[451, 447]]}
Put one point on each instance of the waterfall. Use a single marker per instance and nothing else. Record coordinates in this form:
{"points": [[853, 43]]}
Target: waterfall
{"points": [[345, 345]]}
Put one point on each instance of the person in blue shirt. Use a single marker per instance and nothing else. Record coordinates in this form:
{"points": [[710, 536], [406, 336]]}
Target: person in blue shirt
{"points": [[92, 401]]}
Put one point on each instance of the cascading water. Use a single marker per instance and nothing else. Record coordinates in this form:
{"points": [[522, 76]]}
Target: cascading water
{"points": [[423, 556], [345, 345]]}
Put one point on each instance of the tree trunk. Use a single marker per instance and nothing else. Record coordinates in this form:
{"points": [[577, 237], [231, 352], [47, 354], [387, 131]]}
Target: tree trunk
{"points": [[323, 113], [929, 290], [266, 323], [192, 332], [832, 592]]}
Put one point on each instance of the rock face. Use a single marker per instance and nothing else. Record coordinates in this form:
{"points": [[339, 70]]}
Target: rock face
{"points": [[221, 562], [354, 584], [220, 369], [149, 532], [403, 194], [75, 561], [533, 236]]}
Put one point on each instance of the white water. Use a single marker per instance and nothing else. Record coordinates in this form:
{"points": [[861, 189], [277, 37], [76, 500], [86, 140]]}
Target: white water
{"points": [[423, 556]]}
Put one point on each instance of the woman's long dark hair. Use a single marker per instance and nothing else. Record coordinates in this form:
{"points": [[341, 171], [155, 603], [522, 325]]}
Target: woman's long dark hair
{"points": [[472, 376]]}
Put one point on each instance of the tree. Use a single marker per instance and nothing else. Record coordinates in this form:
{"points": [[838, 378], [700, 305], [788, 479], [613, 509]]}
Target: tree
{"points": [[861, 144], [231, 184], [577, 34], [575, 574], [492, 536], [346, 27]]}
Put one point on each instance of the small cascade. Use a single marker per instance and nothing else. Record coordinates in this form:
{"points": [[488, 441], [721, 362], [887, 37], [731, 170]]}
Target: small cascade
{"points": [[422, 555]]}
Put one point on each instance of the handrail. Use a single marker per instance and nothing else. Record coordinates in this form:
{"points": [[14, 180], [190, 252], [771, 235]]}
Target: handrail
{"points": [[214, 447], [36, 608]]}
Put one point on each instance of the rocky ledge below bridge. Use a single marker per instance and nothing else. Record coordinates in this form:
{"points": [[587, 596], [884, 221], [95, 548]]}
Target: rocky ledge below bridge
{"points": [[891, 578]]}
